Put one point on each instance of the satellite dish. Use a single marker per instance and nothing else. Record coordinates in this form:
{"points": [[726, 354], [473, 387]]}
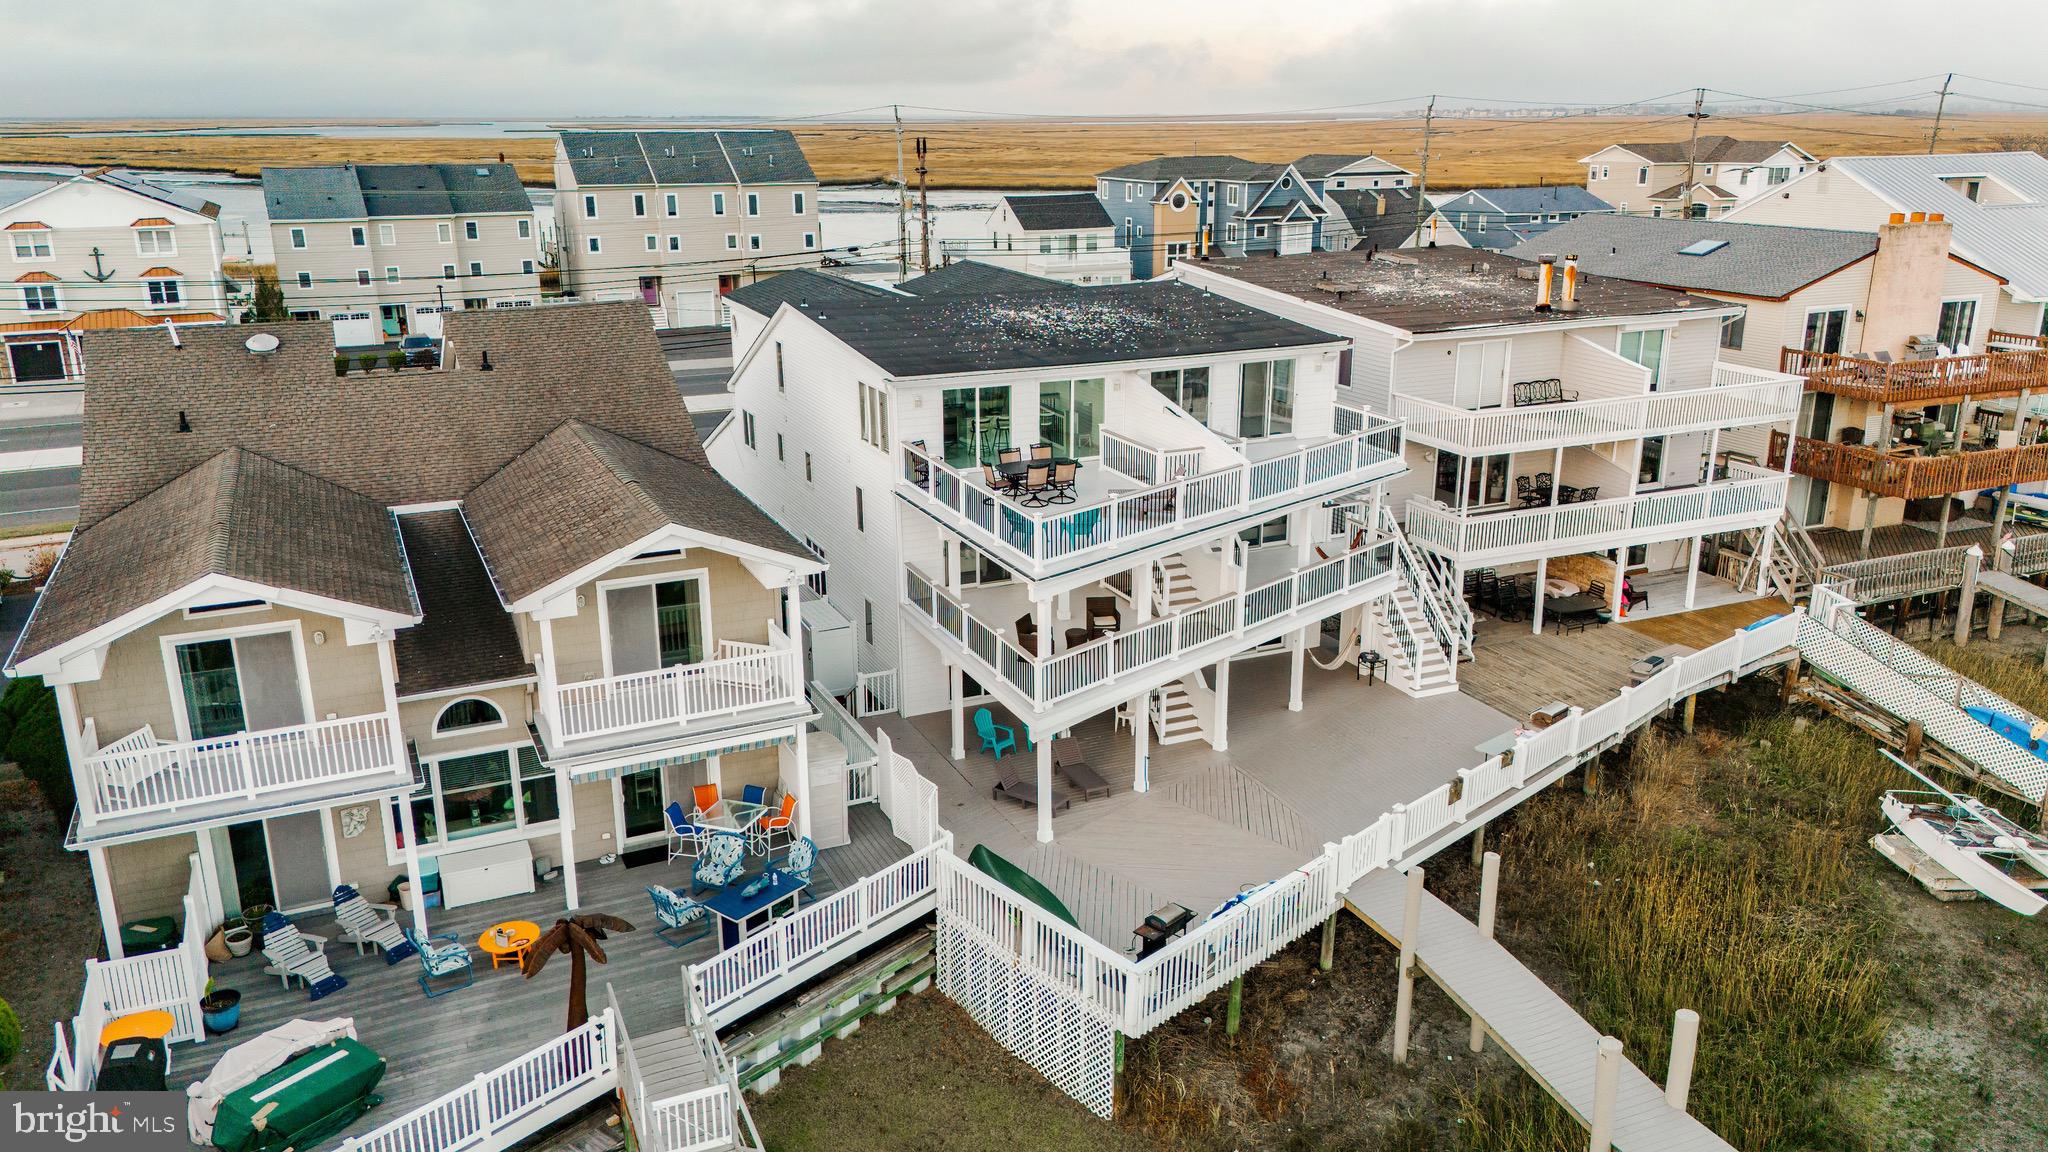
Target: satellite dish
{"points": [[262, 343]]}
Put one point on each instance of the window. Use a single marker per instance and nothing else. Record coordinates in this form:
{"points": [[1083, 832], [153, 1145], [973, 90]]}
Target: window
{"points": [[1187, 387], [1091, 242], [810, 240], [298, 237], [1230, 232], [391, 273], [1593, 173], [305, 279], [1958, 320], [816, 580], [526, 267], [974, 424], [475, 268], [753, 204], [718, 203], [1273, 531], [639, 204], [1230, 195], [1265, 400], [1179, 200], [1652, 469], [444, 233], [1130, 193], [594, 245], [1643, 174], [590, 210], [1645, 346], [386, 235], [1780, 175], [447, 271], [362, 277], [1259, 231], [478, 793], [156, 242], [747, 429], [469, 714], [1045, 245], [1603, 171], [1825, 329], [781, 381], [358, 236], [1070, 416], [31, 244], [732, 241], [675, 243], [1731, 331], [653, 242], [868, 619], [39, 298], [796, 203], [860, 510], [874, 416], [469, 230], [668, 204], [753, 242]]}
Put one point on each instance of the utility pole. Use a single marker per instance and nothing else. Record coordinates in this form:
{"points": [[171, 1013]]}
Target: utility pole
{"points": [[1939, 106], [1422, 177], [902, 203], [1692, 151], [924, 212]]}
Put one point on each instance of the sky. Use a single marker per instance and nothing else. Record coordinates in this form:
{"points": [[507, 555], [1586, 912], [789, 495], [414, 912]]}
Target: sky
{"points": [[582, 58]]}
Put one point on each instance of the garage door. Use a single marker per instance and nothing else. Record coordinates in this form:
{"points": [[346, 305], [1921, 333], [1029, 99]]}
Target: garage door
{"points": [[40, 360]]}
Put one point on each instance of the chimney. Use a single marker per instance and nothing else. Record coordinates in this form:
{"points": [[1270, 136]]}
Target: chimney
{"points": [[1545, 271], [1904, 297], [1571, 283]]}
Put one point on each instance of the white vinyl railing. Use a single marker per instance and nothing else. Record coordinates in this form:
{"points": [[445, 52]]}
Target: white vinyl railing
{"points": [[874, 692], [1031, 537], [1050, 679], [1739, 397], [1652, 515], [692, 1122], [499, 1108], [739, 681], [137, 775]]}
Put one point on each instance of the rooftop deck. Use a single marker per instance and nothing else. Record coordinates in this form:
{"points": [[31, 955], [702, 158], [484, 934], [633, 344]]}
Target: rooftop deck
{"points": [[434, 1046]]}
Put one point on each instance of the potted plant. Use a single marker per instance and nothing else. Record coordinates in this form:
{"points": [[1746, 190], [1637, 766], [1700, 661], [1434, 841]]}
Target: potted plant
{"points": [[341, 365], [366, 363], [252, 918], [221, 1008], [394, 360], [238, 937]]}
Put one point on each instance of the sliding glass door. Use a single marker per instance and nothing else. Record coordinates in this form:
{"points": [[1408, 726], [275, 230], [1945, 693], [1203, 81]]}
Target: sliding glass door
{"points": [[1070, 417], [1265, 399], [976, 425], [239, 684], [655, 625]]}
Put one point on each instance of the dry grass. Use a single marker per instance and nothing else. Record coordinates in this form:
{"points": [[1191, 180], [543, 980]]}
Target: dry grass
{"points": [[1026, 154]]}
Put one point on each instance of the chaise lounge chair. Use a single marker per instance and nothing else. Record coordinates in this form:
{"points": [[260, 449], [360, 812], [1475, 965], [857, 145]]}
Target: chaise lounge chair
{"points": [[1025, 792], [362, 923], [294, 955], [1068, 761]]}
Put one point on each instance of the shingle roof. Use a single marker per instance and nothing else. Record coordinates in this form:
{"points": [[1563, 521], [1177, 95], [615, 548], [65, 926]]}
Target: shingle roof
{"points": [[1382, 217], [1443, 289], [466, 636], [1318, 165], [583, 492], [2010, 240], [721, 156], [1058, 211], [970, 277], [1062, 326], [358, 191], [1166, 168], [1757, 259], [409, 437], [1677, 191], [235, 514], [803, 287], [175, 197], [1711, 150], [1545, 198]]}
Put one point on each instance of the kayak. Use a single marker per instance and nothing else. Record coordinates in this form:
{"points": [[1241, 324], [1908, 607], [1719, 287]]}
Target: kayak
{"points": [[1022, 882], [2027, 735]]}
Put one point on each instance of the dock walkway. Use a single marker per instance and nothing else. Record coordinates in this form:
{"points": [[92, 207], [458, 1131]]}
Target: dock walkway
{"points": [[1529, 1021]]}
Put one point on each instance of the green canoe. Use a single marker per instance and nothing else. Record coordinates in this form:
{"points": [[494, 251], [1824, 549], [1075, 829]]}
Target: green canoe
{"points": [[301, 1103], [1014, 877]]}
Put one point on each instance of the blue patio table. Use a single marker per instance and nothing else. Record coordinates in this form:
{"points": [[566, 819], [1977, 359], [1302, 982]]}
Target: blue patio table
{"points": [[736, 909]]}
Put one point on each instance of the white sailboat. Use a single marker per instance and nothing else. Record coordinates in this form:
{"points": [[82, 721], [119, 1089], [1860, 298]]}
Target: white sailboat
{"points": [[1975, 842]]}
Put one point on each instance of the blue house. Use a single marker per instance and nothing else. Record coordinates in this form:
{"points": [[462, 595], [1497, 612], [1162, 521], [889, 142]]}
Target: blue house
{"points": [[1500, 218]]}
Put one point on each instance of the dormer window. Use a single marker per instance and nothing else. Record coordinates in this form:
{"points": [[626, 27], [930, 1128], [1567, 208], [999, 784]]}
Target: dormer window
{"points": [[30, 243], [156, 242], [469, 714]]}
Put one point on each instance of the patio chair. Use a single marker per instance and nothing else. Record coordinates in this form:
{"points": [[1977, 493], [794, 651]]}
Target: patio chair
{"points": [[781, 823], [1038, 485], [1009, 455], [996, 738], [705, 798], [1064, 477], [1544, 480], [1027, 633], [803, 856], [294, 955], [1636, 597], [723, 859], [1584, 495], [1041, 451], [1009, 786], [362, 922], [1598, 590], [1068, 761], [685, 836], [444, 961], [753, 794], [1102, 612], [920, 464], [677, 912]]}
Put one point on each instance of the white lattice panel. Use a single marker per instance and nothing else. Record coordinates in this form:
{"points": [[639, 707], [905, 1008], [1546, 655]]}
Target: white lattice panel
{"points": [[1042, 1026]]}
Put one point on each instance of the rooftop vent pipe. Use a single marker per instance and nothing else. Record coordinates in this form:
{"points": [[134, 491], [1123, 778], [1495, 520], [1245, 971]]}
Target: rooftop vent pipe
{"points": [[1571, 283], [1546, 271]]}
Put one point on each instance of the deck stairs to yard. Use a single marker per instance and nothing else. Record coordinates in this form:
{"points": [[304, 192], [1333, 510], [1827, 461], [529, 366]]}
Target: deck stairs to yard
{"points": [[1417, 664], [1795, 560], [1173, 587], [659, 314]]}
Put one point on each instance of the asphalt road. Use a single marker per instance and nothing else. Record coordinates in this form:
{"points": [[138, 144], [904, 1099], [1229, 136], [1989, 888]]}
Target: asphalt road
{"points": [[29, 437], [48, 496]]}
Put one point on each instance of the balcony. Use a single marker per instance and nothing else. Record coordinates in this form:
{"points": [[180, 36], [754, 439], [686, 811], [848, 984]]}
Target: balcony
{"points": [[1666, 514], [2021, 366], [1913, 477], [1738, 396], [1143, 655], [139, 776], [743, 678], [1139, 496]]}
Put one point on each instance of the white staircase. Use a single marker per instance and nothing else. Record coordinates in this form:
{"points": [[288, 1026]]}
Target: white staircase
{"points": [[1416, 662], [1174, 716], [1795, 560], [1173, 587]]}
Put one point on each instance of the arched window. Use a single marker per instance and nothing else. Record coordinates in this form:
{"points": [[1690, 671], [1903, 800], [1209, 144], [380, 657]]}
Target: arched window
{"points": [[471, 713]]}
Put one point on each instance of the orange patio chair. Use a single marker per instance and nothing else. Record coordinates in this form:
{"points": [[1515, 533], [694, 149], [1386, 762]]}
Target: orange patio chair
{"points": [[706, 798], [781, 824]]}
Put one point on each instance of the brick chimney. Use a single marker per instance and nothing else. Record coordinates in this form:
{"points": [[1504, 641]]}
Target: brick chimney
{"points": [[1905, 282]]}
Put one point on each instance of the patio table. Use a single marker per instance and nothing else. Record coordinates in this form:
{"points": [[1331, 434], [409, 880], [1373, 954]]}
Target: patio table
{"points": [[509, 941], [736, 909], [737, 817]]}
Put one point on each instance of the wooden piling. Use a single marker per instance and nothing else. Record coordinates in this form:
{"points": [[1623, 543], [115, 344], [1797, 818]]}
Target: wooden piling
{"points": [[1235, 1012], [1404, 996], [1329, 957], [1489, 901], [1916, 742], [1692, 704], [1790, 689]]}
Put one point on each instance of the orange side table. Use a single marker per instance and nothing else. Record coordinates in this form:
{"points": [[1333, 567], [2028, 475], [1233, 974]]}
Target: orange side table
{"points": [[517, 937]]}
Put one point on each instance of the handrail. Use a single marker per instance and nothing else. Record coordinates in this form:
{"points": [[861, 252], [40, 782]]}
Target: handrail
{"points": [[1913, 477], [2017, 339], [1452, 624], [1674, 509], [130, 777], [680, 693], [1982, 375], [1738, 397]]}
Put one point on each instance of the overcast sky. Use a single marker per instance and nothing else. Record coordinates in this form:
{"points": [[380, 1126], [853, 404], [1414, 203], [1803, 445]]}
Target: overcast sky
{"points": [[514, 59]]}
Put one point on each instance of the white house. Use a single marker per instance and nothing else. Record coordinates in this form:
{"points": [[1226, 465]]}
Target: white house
{"points": [[1061, 235], [1706, 178]]}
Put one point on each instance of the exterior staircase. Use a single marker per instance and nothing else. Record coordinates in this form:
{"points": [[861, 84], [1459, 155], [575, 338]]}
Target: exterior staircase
{"points": [[1173, 587], [1175, 719], [1795, 560], [1417, 663]]}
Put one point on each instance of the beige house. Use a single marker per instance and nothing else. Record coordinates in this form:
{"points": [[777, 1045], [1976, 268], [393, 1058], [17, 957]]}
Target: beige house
{"points": [[408, 627], [1707, 178], [99, 251], [385, 250], [676, 220]]}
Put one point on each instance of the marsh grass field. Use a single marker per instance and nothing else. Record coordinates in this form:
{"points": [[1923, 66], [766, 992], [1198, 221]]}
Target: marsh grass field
{"points": [[1464, 150]]}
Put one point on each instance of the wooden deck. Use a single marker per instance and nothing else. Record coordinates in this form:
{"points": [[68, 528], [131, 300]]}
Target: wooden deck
{"points": [[433, 1046], [1214, 822], [1529, 1021], [1841, 545]]}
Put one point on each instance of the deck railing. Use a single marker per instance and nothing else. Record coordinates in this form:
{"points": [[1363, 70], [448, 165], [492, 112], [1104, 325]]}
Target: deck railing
{"points": [[1913, 477], [1597, 523], [137, 775], [1983, 375], [1884, 578], [744, 678], [1031, 538], [1738, 397], [2011, 341], [1046, 680], [834, 719]]}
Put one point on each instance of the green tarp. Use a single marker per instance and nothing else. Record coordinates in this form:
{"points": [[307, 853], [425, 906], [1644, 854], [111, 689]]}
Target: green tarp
{"points": [[1016, 878], [301, 1103]]}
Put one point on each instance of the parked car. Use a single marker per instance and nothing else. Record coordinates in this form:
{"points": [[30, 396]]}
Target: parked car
{"points": [[421, 351]]}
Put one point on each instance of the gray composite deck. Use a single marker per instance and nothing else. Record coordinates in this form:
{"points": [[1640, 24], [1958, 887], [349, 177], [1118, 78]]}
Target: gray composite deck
{"points": [[1214, 822], [433, 1046], [1532, 1023]]}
